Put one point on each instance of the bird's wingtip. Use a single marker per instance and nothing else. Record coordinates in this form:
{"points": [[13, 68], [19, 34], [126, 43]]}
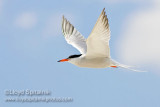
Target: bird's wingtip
{"points": [[103, 11], [62, 16]]}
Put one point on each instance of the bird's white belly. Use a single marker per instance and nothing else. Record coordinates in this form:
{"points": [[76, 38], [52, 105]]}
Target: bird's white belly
{"points": [[93, 62]]}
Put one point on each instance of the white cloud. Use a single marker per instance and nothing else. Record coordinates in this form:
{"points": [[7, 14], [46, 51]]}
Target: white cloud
{"points": [[140, 41], [26, 20]]}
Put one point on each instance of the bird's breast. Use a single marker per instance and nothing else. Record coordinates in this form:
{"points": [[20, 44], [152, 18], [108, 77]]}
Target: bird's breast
{"points": [[92, 62]]}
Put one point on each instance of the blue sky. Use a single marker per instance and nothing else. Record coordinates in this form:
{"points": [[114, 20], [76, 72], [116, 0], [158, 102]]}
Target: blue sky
{"points": [[31, 42]]}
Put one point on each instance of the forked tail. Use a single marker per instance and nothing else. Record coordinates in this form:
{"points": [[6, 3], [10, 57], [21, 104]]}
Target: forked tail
{"points": [[126, 67]]}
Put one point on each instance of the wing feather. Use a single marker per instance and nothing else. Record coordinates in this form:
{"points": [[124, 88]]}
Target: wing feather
{"points": [[98, 40], [73, 37]]}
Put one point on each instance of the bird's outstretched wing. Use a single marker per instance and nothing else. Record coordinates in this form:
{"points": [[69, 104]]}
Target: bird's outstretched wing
{"points": [[98, 40], [73, 37]]}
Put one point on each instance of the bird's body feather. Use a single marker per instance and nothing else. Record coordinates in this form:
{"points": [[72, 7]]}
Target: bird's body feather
{"points": [[95, 62]]}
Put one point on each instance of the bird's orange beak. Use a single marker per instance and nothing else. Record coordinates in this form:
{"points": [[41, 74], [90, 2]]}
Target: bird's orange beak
{"points": [[63, 60]]}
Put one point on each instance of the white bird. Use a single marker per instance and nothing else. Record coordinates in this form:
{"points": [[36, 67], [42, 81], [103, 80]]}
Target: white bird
{"points": [[95, 51]]}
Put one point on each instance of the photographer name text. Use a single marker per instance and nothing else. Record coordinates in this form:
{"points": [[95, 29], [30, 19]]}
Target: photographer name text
{"points": [[28, 92]]}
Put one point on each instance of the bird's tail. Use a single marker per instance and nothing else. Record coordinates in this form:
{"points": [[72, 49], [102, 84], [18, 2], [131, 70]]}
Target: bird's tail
{"points": [[126, 67]]}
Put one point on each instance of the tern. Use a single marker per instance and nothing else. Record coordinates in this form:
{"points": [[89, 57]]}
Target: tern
{"points": [[95, 51]]}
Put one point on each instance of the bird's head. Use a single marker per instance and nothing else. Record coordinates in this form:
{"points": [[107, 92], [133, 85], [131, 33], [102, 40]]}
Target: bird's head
{"points": [[71, 57]]}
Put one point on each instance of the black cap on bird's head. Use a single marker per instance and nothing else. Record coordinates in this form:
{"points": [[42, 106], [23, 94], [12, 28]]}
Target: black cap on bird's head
{"points": [[70, 57]]}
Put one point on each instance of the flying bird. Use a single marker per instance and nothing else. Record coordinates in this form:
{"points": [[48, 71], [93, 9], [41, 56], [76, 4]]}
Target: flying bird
{"points": [[95, 51]]}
